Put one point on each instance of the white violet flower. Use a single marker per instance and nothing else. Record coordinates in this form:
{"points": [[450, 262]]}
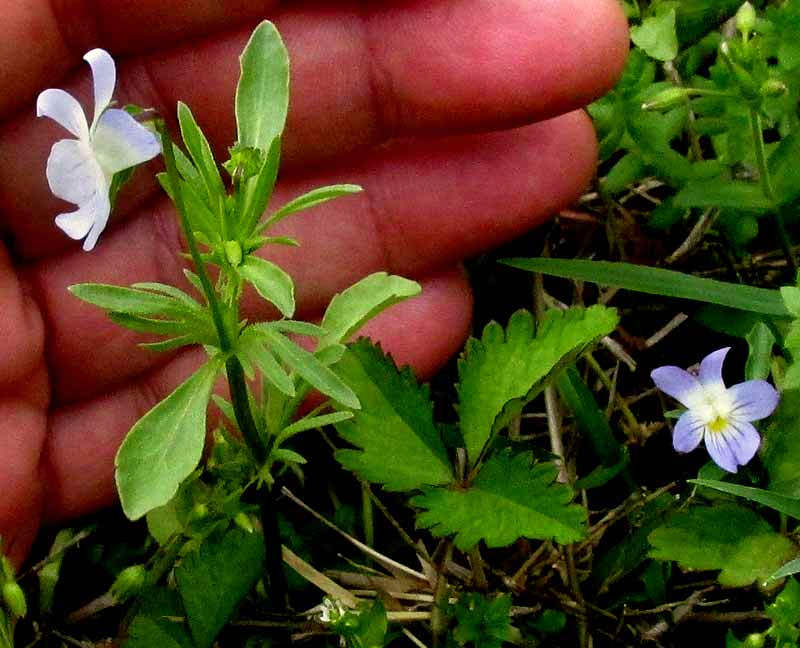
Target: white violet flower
{"points": [[80, 170], [717, 414]]}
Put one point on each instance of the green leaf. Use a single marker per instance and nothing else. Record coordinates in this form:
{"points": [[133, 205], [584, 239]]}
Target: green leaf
{"points": [[656, 36], [788, 505], [258, 190], [483, 621], [131, 301], [213, 579], [307, 366], [511, 497], [252, 349], [164, 446], [658, 281], [262, 95], [723, 193], [760, 341], [311, 199], [723, 537], [152, 626], [350, 309], [398, 443], [781, 446], [200, 151], [270, 281], [591, 422], [789, 569], [503, 370]]}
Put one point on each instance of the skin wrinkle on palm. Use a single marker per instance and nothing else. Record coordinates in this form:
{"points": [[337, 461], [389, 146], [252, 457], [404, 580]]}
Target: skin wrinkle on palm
{"points": [[719, 415]]}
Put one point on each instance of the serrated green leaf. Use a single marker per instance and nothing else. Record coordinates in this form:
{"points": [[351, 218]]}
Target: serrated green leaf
{"points": [[311, 199], [505, 369], [164, 446], [262, 95], [483, 621], [511, 497], [723, 537], [307, 366], [270, 281], [398, 443], [350, 309], [658, 281], [718, 192], [656, 36], [213, 580]]}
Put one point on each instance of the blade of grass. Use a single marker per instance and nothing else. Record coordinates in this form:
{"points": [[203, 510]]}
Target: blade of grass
{"points": [[658, 281], [788, 505]]}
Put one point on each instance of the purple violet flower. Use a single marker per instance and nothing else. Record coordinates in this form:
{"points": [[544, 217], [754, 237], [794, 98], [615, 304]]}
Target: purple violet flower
{"points": [[717, 414]]}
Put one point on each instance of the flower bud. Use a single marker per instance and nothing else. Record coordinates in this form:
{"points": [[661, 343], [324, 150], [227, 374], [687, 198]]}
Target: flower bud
{"points": [[666, 99], [129, 582], [773, 88], [14, 598], [233, 253], [755, 640], [198, 513], [746, 19], [243, 521]]}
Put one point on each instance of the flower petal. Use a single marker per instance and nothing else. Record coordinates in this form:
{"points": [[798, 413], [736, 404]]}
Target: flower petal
{"points": [[73, 173], [711, 367], [688, 432], [753, 400], [720, 451], [119, 142], [104, 78], [88, 220], [737, 443], [676, 382], [64, 109]]}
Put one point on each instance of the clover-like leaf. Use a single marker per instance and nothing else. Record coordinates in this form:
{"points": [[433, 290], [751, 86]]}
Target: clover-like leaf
{"points": [[165, 445], [505, 369], [511, 497], [398, 443], [724, 537]]}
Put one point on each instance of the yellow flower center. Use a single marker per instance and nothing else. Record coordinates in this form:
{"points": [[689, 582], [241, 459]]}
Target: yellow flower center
{"points": [[718, 424]]}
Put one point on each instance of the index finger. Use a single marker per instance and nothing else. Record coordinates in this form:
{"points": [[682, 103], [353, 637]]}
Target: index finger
{"points": [[58, 32]]}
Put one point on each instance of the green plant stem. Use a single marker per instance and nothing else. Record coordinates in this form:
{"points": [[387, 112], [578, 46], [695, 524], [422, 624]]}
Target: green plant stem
{"points": [[240, 397], [766, 185]]}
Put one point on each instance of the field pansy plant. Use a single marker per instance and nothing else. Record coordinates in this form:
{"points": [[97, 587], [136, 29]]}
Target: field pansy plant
{"points": [[719, 415], [81, 170]]}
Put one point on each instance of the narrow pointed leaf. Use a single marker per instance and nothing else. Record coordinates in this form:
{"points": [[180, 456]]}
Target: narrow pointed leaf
{"points": [[782, 503], [311, 199], [200, 151], [398, 443], [270, 281], [130, 301], [736, 194], [503, 370], [307, 366], [352, 308], [510, 498], [165, 445], [262, 95], [658, 281]]}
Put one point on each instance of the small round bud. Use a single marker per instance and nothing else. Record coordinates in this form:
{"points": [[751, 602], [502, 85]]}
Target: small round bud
{"points": [[243, 521], [129, 582], [755, 640], [746, 19], [14, 598], [198, 513], [233, 253], [773, 88]]}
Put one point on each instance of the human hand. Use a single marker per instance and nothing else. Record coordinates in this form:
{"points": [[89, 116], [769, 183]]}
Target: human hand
{"points": [[435, 107]]}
